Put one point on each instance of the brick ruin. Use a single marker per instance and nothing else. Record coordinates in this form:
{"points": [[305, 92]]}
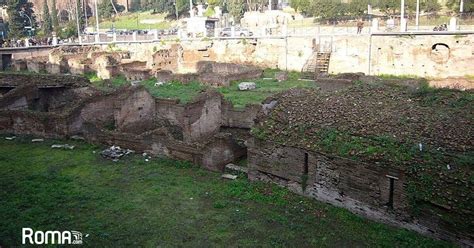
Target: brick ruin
{"points": [[129, 117], [162, 64], [209, 132], [375, 186]]}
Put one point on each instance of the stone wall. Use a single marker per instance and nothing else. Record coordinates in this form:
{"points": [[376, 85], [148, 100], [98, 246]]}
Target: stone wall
{"points": [[239, 118], [374, 191], [434, 55], [419, 55]]}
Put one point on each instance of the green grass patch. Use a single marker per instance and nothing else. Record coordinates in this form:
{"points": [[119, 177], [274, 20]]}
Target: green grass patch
{"points": [[134, 20], [390, 76], [430, 96], [265, 88], [166, 203], [185, 92]]}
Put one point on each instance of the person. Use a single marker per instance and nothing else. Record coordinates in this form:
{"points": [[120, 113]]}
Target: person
{"points": [[360, 25]]}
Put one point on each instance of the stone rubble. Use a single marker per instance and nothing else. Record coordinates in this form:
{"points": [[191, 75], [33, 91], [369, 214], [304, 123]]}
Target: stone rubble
{"points": [[65, 146], [115, 153], [37, 140], [77, 137], [236, 168], [247, 86], [281, 76], [229, 176]]}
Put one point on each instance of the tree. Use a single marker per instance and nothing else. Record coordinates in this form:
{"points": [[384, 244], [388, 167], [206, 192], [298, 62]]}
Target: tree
{"points": [[235, 8], [20, 12], [390, 7], [105, 8], [54, 15], [357, 7], [454, 5], [80, 15], [47, 24], [301, 5], [430, 5], [327, 9]]}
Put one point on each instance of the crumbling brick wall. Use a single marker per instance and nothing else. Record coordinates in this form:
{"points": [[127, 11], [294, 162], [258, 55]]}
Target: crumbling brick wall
{"points": [[165, 59], [375, 191]]}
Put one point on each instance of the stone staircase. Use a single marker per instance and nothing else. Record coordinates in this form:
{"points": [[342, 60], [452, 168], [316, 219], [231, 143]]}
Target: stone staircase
{"points": [[317, 64]]}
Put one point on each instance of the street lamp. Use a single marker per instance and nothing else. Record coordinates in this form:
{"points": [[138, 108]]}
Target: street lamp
{"points": [[402, 17], [97, 37], [77, 22], [23, 14], [417, 14]]}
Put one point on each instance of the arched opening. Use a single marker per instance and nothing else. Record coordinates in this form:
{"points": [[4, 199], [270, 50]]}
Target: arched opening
{"points": [[440, 52], [435, 46]]}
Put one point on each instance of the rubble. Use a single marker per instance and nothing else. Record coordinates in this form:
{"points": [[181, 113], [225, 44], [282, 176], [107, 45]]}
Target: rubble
{"points": [[115, 153], [237, 168], [65, 146], [37, 140], [77, 137], [229, 176], [247, 86], [10, 138], [281, 76], [369, 111]]}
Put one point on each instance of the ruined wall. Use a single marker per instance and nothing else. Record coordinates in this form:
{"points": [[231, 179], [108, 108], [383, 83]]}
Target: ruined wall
{"points": [[239, 118], [372, 190], [129, 117], [420, 55], [165, 59], [195, 120]]}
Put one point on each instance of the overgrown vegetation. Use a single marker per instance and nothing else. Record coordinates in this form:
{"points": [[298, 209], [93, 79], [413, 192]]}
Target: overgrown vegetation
{"points": [[423, 132], [166, 203]]}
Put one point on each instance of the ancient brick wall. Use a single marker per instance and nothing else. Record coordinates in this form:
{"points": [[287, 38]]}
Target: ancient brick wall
{"points": [[357, 186], [165, 59], [375, 191], [239, 118]]}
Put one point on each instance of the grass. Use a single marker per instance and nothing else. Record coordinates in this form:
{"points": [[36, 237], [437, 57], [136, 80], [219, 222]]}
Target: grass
{"points": [[167, 203], [186, 92], [430, 96], [390, 76], [175, 90], [265, 88], [133, 20]]}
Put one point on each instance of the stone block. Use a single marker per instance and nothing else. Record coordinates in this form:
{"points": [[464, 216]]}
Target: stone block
{"points": [[281, 76], [247, 86]]}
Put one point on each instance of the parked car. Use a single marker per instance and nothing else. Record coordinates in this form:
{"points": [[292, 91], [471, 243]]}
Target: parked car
{"points": [[243, 32], [110, 33]]}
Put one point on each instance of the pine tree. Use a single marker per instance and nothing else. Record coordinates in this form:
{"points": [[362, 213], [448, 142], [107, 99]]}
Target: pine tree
{"points": [[21, 14], [80, 13], [54, 15], [47, 24]]}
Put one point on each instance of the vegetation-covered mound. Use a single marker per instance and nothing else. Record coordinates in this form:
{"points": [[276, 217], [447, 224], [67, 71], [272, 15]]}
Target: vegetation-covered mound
{"points": [[426, 132]]}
